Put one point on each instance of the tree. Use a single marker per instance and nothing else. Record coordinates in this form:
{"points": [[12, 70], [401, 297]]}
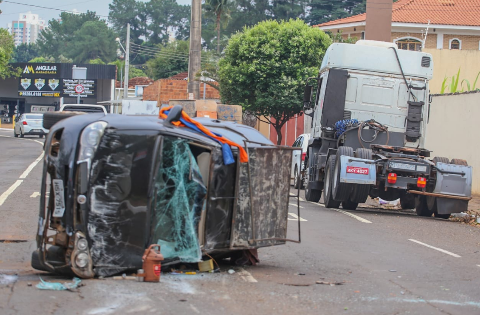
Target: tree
{"points": [[220, 9], [25, 52], [265, 69], [170, 60], [167, 18], [129, 11], [55, 39], [6, 51], [93, 40], [322, 11], [42, 60]]}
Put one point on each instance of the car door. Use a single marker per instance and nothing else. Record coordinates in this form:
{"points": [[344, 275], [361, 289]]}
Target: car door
{"points": [[296, 155]]}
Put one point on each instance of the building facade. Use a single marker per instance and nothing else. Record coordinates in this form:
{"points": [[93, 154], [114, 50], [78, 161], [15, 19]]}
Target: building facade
{"points": [[27, 28], [418, 24]]}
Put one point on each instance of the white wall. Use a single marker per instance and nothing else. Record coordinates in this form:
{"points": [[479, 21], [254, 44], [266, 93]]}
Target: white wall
{"points": [[454, 129], [138, 107]]}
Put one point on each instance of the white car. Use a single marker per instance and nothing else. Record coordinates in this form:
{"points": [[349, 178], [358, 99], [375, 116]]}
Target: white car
{"points": [[86, 108], [29, 125], [298, 158]]}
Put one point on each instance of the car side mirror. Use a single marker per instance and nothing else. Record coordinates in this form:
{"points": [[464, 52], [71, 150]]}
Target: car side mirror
{"points": [[174, 115]]}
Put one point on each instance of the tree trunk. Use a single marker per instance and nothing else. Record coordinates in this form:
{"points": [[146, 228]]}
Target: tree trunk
{"points": [[218, 34], [278, 129]]}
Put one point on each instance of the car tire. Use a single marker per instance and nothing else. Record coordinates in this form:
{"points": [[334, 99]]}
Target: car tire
{"points": [[51, 118], [21, 133], [327, 191], [341, 191], [296, 182], [40, 136], [14, 133]]}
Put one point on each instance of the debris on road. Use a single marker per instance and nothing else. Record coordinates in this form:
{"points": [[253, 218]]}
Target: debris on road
{"points": [[57, 286], [332, 284], [205, 266], [7, 279], [231, 271]]}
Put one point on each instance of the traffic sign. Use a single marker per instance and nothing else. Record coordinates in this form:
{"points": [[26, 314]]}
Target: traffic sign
{"points": [[79, 88]]}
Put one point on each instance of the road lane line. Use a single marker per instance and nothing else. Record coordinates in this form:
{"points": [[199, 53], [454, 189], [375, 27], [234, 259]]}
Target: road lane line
{"points": [[35, 194], [294, 205], [246, 276], [436, 248], [9, 191], [39, 142], [353, 216], [296, 217], [30, 168]]}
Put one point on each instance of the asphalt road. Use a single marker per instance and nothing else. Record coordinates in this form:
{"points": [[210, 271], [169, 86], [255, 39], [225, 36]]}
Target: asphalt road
{"points": [[384, 262]]}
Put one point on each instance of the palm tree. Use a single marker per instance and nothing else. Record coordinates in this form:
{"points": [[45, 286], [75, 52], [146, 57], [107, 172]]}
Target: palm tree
{"points": [[220, 9]]}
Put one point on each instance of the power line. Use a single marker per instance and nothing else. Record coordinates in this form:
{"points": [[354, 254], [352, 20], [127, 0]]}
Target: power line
{"points": [[48, 8]]}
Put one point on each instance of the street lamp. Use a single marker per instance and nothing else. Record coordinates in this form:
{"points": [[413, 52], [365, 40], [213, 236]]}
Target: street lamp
{"points": [[127, 61]]}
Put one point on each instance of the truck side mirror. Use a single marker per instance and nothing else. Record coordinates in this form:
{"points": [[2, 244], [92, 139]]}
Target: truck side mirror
{"points": [[307, 96]]}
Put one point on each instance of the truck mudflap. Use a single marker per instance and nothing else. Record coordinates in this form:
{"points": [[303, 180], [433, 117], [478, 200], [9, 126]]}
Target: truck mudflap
{"points": [[357, 171], [455, 181]]}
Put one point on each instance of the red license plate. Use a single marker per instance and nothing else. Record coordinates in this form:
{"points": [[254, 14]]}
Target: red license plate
{"points": [[357, 170]]}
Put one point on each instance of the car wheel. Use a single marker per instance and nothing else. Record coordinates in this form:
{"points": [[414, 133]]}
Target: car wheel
{"points": [[14, 133], [296, 182], [327, 191], [21, 133], [40, 136]]}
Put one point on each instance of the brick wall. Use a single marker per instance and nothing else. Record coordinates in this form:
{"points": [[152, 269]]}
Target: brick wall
{"points": [[164, 90], [469, 42]]}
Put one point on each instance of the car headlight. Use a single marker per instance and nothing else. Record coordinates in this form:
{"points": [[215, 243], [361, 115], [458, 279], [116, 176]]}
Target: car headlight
{"points": [[82, 244], [81, 260], [90, 139]]}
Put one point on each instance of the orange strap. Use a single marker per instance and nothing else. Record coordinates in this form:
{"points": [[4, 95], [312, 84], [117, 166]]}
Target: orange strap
{"points": [[243, 153]]}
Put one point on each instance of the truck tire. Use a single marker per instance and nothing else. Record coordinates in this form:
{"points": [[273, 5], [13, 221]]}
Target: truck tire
{"points": [[312, 195], [341, 191], [349, 205], [327, 190], [407, 201], [51, 118], [459, 162], [360, 192], [421, 207]]}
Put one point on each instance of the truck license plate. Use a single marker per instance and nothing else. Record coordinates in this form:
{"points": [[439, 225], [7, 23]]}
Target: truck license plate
{"points": [[357, 170], [59, 198], [402, 166]]}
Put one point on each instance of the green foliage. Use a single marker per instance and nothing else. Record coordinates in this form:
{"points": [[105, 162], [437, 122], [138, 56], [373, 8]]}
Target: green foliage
{"points": [[444, 86], [454, 83], [93, 40], [338, 38], [327, 10], [42, 60], [172, 59], [220, 10], [129, 11], [97, 61], [168, 17], [453, 87], [55, 40], [265, 68], [25, 52], [132, 72], [63, 59], [6, 52]]}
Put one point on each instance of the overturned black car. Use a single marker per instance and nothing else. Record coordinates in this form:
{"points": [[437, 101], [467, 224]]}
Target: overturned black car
{"points": [[112, 185]]}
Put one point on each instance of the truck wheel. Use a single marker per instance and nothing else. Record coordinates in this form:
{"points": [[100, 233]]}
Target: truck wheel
{"points": [[327, 190], [442, 216], [421, 207], [407, 201], [312, 195], [51, 118], [459, 162], [360, 192], [341, 191], [349, 205]]}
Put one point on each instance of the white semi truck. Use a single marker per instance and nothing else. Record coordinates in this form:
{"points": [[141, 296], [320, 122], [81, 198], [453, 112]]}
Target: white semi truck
{"points": [[370, 109]]}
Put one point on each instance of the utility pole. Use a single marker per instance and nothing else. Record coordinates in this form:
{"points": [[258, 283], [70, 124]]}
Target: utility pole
{"points": [[127, 63], [194, 64]]}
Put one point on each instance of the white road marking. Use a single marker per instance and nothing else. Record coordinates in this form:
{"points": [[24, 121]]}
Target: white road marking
{"points": [[8, 129], [39, 142], [353, 216], [436, 248], [295, 217], [35, 194], [478, 265], [246, 276], [194, 309], [294, 205], [9, 191], [30, 168]]}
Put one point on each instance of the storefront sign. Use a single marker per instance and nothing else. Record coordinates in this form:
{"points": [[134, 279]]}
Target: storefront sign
{"points": [[39, 87], [32, 70], [89, 88]]}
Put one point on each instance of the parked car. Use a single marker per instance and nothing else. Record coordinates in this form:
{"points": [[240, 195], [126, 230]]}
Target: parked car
{"points": [[29, 125], [298, 159], [113, 185], [69, 110]]}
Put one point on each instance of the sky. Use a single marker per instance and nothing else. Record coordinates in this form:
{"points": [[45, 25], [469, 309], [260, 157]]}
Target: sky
{"points": [[10, 11]]}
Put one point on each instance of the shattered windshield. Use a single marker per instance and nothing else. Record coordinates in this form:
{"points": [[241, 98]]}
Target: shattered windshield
{"points": [[178, 202]]}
